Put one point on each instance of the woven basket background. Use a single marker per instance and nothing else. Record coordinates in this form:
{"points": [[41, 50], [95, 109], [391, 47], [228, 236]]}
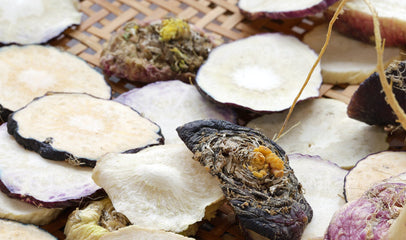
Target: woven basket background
{"points": [[101, 18]]}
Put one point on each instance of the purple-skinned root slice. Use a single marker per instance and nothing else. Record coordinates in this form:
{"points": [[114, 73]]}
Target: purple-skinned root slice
{"points": [[30, 71], [80, 128], [28, 177], [36, 21], [173, 103], [255, 176], [321, 127], [373, 169], [261, 73], [356, 21], [368, 103], [346, 60], [282, 9], [160, 50], [16, 230], [371, 215], [160, 187], [93, 221], [322, 182]]}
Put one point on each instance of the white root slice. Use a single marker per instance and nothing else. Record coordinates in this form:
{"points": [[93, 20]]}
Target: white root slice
{"points": [[36, 21], [322, 127], [397, 230], [81, 128], [323, 188], [31, 71], [15, 230], [136, 232], [43, 183], [261, 73], [373, 169], [160, 187], [171, 104], [346, 60]]}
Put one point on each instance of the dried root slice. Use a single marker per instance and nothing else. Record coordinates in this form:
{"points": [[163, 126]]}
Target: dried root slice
{"points": [[371, 170], [80, 128], [397, 230], [36, 21], [261, 73], [160, 50], [255, 177], [368, 103], [160, 187], [31, 71], [356, 21], [171, 104], [28, 177], [322, 182], [370, 216], [346, 60], [321, 127], [281, 9], [135, 232], [94, 221], [16, 230]]}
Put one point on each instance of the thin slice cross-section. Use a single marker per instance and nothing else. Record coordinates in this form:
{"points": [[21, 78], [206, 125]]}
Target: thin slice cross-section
{"points": [[81, 128]]}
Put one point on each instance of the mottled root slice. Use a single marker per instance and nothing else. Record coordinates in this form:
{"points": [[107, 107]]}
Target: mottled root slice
{"points": [[31, 71], [28, 177], [281, 9], [171, 104], [80, 128], [356, 21], [346, 60], [160, 187], [16, 230], [94, 221], [370, 216], [135, 232], [255, 176], [322, 127], [155, 51], [36, 21], [260, 73], [368, 103], [322, 182], [371, 170], [397, 230]]}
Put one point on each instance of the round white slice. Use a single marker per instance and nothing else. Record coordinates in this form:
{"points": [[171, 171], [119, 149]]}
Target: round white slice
{"points": [[31, 71], [323, 183], [36, 21], [346, 60], [321, 127], [171, 104], [15, 230], [136, 232], [374, 168], [262, 73], [160, 187]]}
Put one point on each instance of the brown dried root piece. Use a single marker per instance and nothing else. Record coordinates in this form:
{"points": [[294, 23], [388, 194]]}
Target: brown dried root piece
{"points": [[255, 176]]}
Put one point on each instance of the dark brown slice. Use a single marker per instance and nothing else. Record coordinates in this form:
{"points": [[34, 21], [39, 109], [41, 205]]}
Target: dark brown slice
{"points": [[269, 204]]}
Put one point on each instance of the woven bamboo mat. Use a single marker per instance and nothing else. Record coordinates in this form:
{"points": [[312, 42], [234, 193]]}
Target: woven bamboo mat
{"points": [[101, 18]]}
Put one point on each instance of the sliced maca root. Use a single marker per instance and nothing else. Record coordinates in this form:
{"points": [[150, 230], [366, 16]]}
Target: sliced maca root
{"points": [[80, 128], [255, 177], [16, 230], [28, 177], [31, 22], [156, 51], [30, 71], [346, 60], [368, 103], [135, 232], [282, 9], [356, 21], [173, 103], [261, 73]]}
